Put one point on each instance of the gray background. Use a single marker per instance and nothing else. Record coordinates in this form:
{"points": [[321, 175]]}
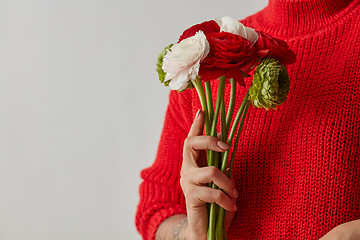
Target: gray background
{"points": [[81, 109]]}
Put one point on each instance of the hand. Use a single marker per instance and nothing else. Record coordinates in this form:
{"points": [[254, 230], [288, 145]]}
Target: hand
{"points": [[345, 231], [195, 176]]}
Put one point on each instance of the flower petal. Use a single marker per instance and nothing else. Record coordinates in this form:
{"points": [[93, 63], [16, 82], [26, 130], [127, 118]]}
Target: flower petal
{"points": [[182, 62], [231, 25]]}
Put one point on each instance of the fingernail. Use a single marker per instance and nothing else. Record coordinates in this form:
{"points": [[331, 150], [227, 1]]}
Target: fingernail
{"points": [[197, 114], [235, 208], [222, 145], [235, 193]]}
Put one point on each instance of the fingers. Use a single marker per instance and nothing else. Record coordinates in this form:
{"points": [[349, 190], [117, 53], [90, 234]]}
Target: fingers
{"points": [[198, 124], [194, 179], [212, 174], [202, 194], [199, 177], [194, 144], [205, 142]]}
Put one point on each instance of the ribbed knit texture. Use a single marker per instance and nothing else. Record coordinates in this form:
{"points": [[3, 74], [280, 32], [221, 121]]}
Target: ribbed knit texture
{"points": [[297, 168]]}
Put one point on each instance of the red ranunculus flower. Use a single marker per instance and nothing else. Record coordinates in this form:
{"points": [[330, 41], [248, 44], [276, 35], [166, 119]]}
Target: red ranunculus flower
{"points": [[270, 47], [206, 27], [229, 55]]}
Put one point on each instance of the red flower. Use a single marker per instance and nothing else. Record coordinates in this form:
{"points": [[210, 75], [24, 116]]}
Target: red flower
{"points": [[206, 27], [270, 47], [229, 55]]}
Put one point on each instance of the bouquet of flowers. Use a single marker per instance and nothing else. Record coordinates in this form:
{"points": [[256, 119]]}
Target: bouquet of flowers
{"points": [[225, 50]]}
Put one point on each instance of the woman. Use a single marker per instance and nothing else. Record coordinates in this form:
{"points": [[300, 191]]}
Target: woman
{"points": [[297, 169]]}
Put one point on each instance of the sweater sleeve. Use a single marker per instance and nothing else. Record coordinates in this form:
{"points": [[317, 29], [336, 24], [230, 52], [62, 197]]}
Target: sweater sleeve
{"points": [[160, 193]]}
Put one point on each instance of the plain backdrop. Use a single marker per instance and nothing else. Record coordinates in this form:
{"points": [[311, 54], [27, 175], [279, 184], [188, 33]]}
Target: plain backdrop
{"points": [[81, 109]]}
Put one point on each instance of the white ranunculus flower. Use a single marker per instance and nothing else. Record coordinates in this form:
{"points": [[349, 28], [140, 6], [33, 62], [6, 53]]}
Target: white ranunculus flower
{"points": [[231, 25], [182, 62]]}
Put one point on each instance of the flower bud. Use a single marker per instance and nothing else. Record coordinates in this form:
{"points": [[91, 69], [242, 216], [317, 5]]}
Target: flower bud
{"points": [[270, 86]]}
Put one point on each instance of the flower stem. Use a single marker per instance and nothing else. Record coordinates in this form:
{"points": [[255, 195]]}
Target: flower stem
{"points": [[224, 127], [238, 137], [232, 103], [232, 132], [220, 224], [210, 108], [220, 94], [221, 212], [200, 90], [209, 100], [219, 231], [212, 221], [212, 157]]}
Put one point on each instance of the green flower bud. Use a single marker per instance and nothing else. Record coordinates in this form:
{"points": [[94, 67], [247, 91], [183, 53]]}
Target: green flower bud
{"points": [[270, 86], [159, 65]]}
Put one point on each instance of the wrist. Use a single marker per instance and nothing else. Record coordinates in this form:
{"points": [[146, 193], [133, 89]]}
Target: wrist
{"points": [[191, 235], [188, 234]]}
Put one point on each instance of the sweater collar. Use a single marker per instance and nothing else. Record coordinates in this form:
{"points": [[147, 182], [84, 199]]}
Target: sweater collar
{"points": [[297, 17]]}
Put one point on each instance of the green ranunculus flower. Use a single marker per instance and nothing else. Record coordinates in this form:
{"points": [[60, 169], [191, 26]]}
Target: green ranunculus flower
{"points": [[159, 65], [270, 86]]}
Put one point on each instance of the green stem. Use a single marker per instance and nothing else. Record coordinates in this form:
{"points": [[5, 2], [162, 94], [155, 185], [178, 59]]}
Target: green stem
{"points": [[237, 138], [211, 116], [232, 132], [212, 158], [212, 220], [231, 103], [220, 233], [200, 90], [224, 127], [213, 132], [220, 224], [209, 100]]}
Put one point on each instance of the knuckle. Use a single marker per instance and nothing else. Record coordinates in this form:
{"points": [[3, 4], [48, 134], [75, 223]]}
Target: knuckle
{"points": [[208, 142], [212, 143], [182, 173], [213, 139], [187, 142], [219, 196], [213, 171], [189, 193], [182, 182]]}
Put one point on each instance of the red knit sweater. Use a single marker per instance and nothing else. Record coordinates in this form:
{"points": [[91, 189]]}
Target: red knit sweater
{"points": [[297, 168]]}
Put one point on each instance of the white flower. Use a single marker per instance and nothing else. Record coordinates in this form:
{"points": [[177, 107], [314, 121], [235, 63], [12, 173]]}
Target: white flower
{"points": [[182, 62], [231, 25]]}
